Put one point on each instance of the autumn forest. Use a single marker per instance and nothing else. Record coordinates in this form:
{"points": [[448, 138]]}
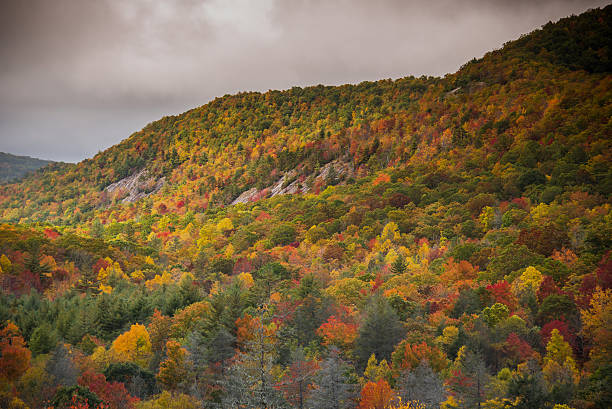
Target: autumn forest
{"points": [[433, 242]]}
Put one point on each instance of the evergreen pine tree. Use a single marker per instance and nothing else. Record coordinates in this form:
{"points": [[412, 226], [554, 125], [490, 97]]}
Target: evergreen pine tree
{"points": [[470, 379], [399, 265], [97, 229], [379, 333], [43, 339]]}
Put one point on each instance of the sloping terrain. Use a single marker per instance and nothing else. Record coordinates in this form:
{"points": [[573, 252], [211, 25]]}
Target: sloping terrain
{"points": [[523, 92], [14, 167], [445, 240]]}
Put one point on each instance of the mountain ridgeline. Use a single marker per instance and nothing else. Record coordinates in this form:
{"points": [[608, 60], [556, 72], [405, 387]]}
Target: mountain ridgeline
{"points": [[500, 105], [14, 167], [440, 240]]}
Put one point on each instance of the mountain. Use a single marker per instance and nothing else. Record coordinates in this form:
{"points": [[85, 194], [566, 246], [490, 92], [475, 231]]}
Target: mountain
{"points": [[234, 143], [14, 167], [424, 237]]}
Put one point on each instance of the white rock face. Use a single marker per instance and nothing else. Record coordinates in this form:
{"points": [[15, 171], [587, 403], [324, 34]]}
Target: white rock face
{"points": [[279, 187], [137, 186], [245, 197], [342, 169]]}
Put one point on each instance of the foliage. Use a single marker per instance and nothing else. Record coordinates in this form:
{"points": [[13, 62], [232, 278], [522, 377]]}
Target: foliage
{"points": [[597, 326], [133, 345], [67, 397], [376, 395], [174, 369], [314, 246], [409, 356], [139, 382], [167, 400], [14, 355], [113, 394]]}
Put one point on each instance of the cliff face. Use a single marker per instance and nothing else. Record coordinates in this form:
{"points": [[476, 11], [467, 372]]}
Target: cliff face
{"points": [[291, 182], [135, 187]]}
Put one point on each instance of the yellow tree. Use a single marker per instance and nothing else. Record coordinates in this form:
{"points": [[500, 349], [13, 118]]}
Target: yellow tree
{"points": [[487, 217], [597, 327], [167, 400], [528, 283], [407, 405], [225, 225], [559, 367], [246, 280], [133, 345], [174, 370], [5, 264], [376, 371]]}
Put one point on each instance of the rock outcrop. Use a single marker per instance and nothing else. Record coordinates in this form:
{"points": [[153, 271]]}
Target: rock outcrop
{"points": [[291, 182], [137, 186]]}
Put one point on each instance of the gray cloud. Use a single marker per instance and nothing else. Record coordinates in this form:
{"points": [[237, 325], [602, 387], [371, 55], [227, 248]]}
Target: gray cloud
{"points": [[78, 76]]}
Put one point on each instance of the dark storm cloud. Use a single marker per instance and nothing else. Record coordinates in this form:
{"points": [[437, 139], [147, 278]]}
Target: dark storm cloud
{"points": [[77, 76]]}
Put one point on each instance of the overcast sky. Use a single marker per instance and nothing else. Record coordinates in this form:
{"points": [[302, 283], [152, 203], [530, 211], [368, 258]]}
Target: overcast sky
{"points": [[77, 76]]}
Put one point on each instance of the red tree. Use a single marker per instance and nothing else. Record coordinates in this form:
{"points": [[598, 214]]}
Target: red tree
{"points": [[112, 393], [547, 287], [501, 293], [516, 349]]}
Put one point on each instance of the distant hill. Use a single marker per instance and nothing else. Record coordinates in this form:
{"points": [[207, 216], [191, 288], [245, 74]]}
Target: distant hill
{"points": [[13, 167]]}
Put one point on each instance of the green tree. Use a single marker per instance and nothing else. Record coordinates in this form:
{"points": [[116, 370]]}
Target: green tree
{"points": [[283, 234], [138, 381], [495, 314], [67, 396], [43, 339], [97, 229], [528, 386], [379, 333], [399, 265]]}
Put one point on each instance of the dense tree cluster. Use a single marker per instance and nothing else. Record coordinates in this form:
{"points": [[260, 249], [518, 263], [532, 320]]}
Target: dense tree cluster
{"points": [[464, 261]]}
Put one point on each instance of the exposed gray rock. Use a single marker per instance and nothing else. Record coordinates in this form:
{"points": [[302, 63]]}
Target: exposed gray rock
{"points": [[289, 183], [246, 197], [453, 92], [279, 187], [137, 186]]}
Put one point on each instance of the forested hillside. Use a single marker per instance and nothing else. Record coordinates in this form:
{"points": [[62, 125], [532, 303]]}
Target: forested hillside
{"points": [[412, 243], [14, 167]]}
